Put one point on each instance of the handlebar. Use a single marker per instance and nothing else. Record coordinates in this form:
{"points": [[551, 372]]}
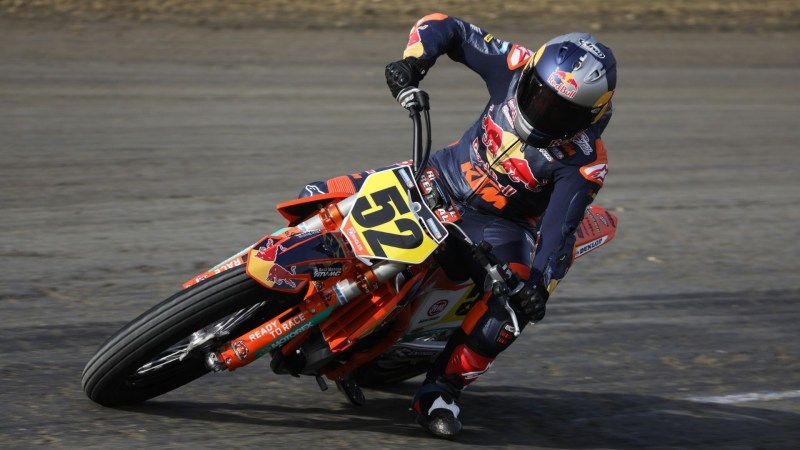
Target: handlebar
{"points": [[500, 280], [416, 101]]}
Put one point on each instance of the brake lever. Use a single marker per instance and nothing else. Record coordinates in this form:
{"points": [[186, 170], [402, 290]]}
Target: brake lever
{"points": [[499, 279]]}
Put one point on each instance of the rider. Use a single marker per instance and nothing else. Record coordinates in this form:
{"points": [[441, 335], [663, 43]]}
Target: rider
{"points": [[523, 175]]}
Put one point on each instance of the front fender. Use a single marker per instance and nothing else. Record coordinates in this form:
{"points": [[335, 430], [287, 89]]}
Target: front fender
{"points": [[288, 262]]}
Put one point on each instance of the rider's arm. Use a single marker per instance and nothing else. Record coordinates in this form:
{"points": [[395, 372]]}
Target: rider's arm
{"points": [[573, 191], [438, 34]]}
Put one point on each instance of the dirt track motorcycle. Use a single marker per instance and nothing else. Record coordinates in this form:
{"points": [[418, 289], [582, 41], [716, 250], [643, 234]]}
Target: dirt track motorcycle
{"points": [[349, 291]]}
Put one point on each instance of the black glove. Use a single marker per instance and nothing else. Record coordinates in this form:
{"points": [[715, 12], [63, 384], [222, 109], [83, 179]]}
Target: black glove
{"points": [[530, 303], [404, 73]]}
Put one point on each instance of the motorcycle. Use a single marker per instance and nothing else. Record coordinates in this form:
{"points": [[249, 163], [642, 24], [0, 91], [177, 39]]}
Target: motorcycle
{"points": [[350, 291]]}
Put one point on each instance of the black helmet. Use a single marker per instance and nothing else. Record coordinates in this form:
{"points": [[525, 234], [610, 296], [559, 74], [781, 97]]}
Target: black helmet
{"points": [[565, 87]]}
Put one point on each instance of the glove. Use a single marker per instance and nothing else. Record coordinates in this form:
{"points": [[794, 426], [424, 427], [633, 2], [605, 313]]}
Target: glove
{"points": [[530, 303], [404, 73]]}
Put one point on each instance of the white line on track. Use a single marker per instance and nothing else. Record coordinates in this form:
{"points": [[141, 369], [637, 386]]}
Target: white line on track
{"points": [[749, 397]]}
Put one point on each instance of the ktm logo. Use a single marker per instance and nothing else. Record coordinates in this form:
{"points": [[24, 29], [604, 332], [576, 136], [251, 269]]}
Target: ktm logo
{"points": [[488, 190]]}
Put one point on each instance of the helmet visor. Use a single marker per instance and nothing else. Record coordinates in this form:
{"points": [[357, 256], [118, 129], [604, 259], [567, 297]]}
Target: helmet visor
{"points": [[548, 112]]}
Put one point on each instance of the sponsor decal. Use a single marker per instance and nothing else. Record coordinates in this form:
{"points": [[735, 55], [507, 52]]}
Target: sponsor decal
{"points": [[596, 173], [512, 158], [437, 308], [591, 48], [413, 35], [564, 83], [546, 155], [582, 140], [355, 239], [518, 56], [313, 190], [240, 350], [474, 375], [327, 271], [510, 110], [278, 275], [594, 221], [270, 251], [275, 328], [414, 46], [519, 171], [492, 137], [610, 218], [480, 182], [586, 248]]}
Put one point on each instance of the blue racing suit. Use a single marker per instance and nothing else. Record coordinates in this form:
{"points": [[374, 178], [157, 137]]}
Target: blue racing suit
{"points": [[526, 202]]}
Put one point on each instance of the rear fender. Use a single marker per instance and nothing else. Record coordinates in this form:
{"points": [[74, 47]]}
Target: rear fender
{"points": [[296, 210], [597, 228]]}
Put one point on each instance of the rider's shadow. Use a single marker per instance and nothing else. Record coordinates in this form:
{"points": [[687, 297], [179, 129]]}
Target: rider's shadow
{"points": [[504, 415]]}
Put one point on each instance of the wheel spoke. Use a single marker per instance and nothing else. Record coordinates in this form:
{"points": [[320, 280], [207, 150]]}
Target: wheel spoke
{"points": [[201, 339]]}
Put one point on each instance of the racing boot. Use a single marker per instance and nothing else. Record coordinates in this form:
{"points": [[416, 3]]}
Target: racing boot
{"points": [[437, 411]]}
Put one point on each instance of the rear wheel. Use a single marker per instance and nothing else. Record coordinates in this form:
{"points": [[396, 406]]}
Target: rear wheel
{"points": [[165, 347]]}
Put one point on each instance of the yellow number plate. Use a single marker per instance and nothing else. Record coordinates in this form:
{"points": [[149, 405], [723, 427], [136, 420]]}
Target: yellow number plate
{"points": [[385, 224]]}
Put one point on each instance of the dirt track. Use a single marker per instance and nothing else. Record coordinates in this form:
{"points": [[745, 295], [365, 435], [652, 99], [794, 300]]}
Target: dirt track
{"points": [[613, 15], [135, 155]]}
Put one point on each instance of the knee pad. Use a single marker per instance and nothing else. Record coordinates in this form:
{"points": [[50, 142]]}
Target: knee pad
{"points": [[493, 332]]}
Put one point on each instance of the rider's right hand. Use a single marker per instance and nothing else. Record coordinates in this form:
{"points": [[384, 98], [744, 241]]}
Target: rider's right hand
{"points": [[404, 73]]}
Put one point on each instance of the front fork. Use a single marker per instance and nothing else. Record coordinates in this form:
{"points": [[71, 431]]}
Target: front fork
{"points": [[317, 305]]}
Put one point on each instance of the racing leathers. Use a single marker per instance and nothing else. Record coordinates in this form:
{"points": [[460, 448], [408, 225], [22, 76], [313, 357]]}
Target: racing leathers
{"points": [[526, 202]]}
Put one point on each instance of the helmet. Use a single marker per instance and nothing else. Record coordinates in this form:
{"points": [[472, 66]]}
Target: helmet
{"points": [[565, 87]]}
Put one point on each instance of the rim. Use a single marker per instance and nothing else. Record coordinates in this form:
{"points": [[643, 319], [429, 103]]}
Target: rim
{"points": [[198, 343]]}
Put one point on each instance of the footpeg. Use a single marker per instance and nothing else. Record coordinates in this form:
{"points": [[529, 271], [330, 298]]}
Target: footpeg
{"points": [[350, 389]]}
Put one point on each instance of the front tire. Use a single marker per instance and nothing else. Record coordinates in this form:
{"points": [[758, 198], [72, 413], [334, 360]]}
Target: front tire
{"points": [[154, 353]]}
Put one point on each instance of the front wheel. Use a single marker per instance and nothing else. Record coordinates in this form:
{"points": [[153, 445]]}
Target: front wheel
{"points": [[165, 347]]}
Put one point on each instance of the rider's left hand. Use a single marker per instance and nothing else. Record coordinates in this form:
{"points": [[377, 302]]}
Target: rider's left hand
{"points": [[404, 73], [531, 302]]}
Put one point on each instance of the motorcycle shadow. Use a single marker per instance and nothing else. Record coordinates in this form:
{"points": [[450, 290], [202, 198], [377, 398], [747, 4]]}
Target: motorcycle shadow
{"points": [[510, 415]]}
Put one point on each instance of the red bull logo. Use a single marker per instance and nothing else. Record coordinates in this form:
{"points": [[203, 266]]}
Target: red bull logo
{"points": [[519, 171], [413, 37], [278, 275], [564, 83], [516, 168], [492, 135], [270, 252]]}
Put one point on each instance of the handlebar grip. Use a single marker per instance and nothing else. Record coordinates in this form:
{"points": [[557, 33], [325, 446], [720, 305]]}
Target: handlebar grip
{"points": [[413, 99]]}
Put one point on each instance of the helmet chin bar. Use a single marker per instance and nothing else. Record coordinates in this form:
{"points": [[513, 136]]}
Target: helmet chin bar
{"points": [[534, 138]]}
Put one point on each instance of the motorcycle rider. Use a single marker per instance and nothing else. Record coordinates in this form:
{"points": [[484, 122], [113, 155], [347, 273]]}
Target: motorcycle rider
{"points": [[523, 175]]}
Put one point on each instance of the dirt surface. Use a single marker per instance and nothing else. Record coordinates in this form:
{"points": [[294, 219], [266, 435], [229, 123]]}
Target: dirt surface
{"points": [[135, 155], [376, 14]]}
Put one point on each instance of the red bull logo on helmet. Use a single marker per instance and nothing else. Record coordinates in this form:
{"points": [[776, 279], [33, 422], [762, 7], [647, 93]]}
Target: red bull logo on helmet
{"points": [[564, 83]]}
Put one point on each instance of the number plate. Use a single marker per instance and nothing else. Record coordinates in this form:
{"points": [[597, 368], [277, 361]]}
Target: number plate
{"points": [[390, 221]]}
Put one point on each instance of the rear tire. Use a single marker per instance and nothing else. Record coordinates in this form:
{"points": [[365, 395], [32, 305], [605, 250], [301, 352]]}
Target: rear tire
{"points": [[376, 374], [134, 364]]}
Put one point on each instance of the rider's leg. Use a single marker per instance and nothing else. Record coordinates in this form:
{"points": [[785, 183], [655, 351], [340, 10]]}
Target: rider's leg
{"points": [[485, 332]]}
